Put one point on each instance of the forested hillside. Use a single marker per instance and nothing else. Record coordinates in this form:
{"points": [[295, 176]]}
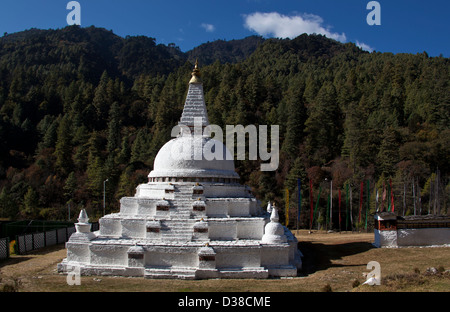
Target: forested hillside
{"points": [[82, 105], [232, 51]]}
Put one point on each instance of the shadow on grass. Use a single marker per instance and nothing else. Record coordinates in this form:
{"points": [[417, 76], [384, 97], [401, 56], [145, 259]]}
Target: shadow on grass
{"points": [[317, 256], [14, 259]]}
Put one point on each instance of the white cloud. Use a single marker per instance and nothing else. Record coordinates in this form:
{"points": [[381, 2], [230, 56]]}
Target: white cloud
{"points": [[364, 46], [283, 26], [208, 27]]}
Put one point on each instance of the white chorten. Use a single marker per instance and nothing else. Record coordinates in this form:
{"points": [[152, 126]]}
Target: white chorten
{"points": [[192, 220], [274, 231]]}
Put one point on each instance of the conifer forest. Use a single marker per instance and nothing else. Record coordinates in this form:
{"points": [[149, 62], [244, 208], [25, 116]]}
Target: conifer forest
{"points": [[82, 105]]}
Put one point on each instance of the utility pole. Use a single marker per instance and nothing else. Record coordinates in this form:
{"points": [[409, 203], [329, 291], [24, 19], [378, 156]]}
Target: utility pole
{"points": [[104, 196]]}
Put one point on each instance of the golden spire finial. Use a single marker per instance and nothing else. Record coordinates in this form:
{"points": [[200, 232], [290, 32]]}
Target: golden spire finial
{"points": [[196, 74]]}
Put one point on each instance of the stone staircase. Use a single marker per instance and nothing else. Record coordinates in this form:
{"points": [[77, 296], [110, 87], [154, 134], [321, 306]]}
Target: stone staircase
{"points": [[179, 225], [171, 272]]}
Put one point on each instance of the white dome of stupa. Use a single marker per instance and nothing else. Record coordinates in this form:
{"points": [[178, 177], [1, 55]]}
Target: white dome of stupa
{"points": [[195, 157]]}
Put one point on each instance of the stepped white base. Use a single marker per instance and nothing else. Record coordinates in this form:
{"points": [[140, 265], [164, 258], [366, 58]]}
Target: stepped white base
{"points": [[233, 259]]}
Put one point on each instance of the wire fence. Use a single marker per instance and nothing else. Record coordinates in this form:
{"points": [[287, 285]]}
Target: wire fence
{"points": [[4, 248], [32, 241], [28, 242]]}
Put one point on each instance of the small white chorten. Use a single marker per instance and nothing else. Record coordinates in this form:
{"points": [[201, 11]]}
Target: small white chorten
{"points": [[274, 231]]}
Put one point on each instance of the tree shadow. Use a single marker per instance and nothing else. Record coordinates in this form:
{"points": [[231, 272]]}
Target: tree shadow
{"points": [[12, 260], [318, 256]]}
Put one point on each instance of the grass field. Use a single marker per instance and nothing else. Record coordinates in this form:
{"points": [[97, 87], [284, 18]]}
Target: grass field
{"points": [[332, 262]]}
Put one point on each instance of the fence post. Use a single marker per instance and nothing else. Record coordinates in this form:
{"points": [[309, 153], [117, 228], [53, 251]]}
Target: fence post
{"points": [[7, 248], [17, 245]]}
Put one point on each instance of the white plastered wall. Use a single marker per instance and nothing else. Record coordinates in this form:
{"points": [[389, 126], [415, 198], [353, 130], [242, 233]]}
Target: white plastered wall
{"points": [[423, 237]]}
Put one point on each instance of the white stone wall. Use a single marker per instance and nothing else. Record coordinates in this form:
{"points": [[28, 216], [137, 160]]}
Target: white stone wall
{"points": [[385, 238], [171, 257], [236, 207], [222, 229], [216, 208], [134, 228], [110, 226], [250, 228], [239, 208], [146, 206], [219, 190], [238, 257], [138, 205], [275, 255], [423, 237], [128, 205], [108, 255], [78, 252], [152, 190]]}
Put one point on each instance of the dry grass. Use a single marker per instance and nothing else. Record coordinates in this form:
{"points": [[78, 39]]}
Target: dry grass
{"points": [[332, 262]]}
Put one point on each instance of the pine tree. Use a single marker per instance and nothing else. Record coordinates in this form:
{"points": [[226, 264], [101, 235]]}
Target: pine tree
{"points": [[49, 129], [140, 151], [387, 156], [296, 119], [102, 100], [114, 126], [63, 148], [70, 186], [30, 203], [323, 126], [8, 206], [95, 173], [125, 186]]}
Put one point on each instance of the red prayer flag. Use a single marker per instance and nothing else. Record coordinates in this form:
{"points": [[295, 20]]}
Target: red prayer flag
{"points": [[392, 196]]}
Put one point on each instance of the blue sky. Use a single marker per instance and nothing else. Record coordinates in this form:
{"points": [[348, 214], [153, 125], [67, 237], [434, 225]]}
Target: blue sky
{"points": [[410, 26]]}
